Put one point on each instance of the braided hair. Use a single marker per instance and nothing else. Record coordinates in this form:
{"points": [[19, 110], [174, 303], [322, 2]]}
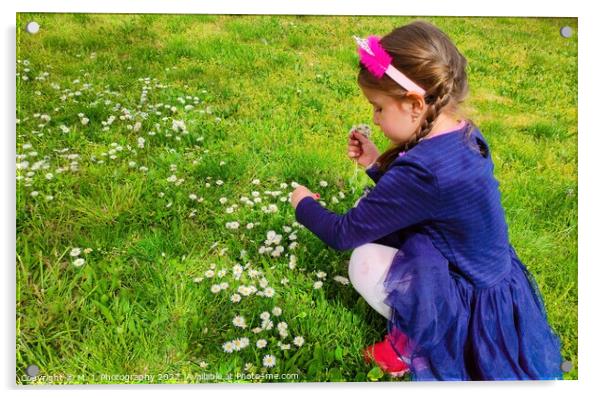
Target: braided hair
{"points": [[428, 57]]}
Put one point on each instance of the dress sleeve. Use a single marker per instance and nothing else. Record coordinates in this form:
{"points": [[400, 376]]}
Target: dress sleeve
{"points": [[373, 172], [405, 195]]}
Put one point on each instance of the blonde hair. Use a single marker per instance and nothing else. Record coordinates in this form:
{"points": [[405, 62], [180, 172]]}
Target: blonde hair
{"points": [[429, 58]]}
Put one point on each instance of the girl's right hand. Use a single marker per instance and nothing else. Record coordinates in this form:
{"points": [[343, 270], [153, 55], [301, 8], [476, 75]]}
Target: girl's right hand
{"points": [[361, 149]]}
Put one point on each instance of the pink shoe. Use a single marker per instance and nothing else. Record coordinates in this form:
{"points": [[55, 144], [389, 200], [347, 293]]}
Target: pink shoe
{"points": [[386, 358]]}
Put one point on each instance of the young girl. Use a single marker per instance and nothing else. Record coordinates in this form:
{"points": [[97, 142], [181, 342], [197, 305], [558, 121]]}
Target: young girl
{"points": [[431, 244]]}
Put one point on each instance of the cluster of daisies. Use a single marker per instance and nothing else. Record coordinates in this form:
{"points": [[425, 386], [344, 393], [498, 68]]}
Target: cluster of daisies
{"points": [[242, 290], [169, 122], [267, 323], [148, 126]]}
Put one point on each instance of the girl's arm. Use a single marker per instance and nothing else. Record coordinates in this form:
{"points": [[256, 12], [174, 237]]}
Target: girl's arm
{"points": [[406, 195]]}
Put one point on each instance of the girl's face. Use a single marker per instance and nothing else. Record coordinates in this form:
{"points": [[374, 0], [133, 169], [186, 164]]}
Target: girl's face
{"points": [[398, 119]]}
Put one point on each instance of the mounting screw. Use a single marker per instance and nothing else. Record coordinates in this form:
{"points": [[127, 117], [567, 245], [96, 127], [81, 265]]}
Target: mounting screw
{"points": [[32, 27], [566, 366], [566, 31], [32, 370]]}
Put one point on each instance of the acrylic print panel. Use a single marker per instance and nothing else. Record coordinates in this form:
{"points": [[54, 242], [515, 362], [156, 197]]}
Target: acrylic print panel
{"points": [[156, 159]]}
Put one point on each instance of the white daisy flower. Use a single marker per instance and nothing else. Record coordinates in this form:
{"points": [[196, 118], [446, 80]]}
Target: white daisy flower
{"points": [[298, 341], [219, 182], [75, 252], [215, 289], [261, 343], [341, 279], [256, 330], [235, 298], [277, 251], [277, 311], [292, 262], [255, 182], [267, 324], [269, 292], [78, 262], [209, 273], [282, 326], [203, 364], [238, 344], [245, 290], [269, 361], [239, 321], [323, 183], [250, 225], [264, 315], [232, 225], [223, 285], [321, 274], [318, 284], [192, 196], [228, 346], [223, 200], [237, 269]]}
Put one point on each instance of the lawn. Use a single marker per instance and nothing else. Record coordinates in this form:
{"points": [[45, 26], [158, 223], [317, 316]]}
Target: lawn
{"points": [[155, 158]]}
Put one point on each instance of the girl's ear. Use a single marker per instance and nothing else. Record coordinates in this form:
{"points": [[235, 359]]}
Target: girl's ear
{"points": [[417, 103]]}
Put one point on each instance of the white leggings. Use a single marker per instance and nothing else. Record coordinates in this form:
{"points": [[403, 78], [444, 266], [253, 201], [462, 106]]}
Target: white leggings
{"points": [[368, 267]]}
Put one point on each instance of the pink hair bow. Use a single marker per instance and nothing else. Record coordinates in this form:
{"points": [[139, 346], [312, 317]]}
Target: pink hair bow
{"points": [[378, 62]]}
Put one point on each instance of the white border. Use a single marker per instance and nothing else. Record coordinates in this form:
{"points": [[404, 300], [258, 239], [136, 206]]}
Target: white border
{"points": [[589, 197], [315, 7]]}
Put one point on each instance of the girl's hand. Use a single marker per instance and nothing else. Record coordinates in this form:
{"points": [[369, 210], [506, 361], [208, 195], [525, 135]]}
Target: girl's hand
{"points": [[361, 149], [302, 192]]}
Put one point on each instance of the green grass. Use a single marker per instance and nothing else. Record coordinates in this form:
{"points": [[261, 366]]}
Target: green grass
{"points": [[276, 96]]}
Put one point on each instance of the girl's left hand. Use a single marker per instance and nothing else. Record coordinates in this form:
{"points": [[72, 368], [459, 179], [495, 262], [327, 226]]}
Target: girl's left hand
{"points": [[302, 192]]}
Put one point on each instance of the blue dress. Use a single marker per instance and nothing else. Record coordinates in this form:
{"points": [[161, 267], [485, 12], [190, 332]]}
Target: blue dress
{"points": [[464, 307]]}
